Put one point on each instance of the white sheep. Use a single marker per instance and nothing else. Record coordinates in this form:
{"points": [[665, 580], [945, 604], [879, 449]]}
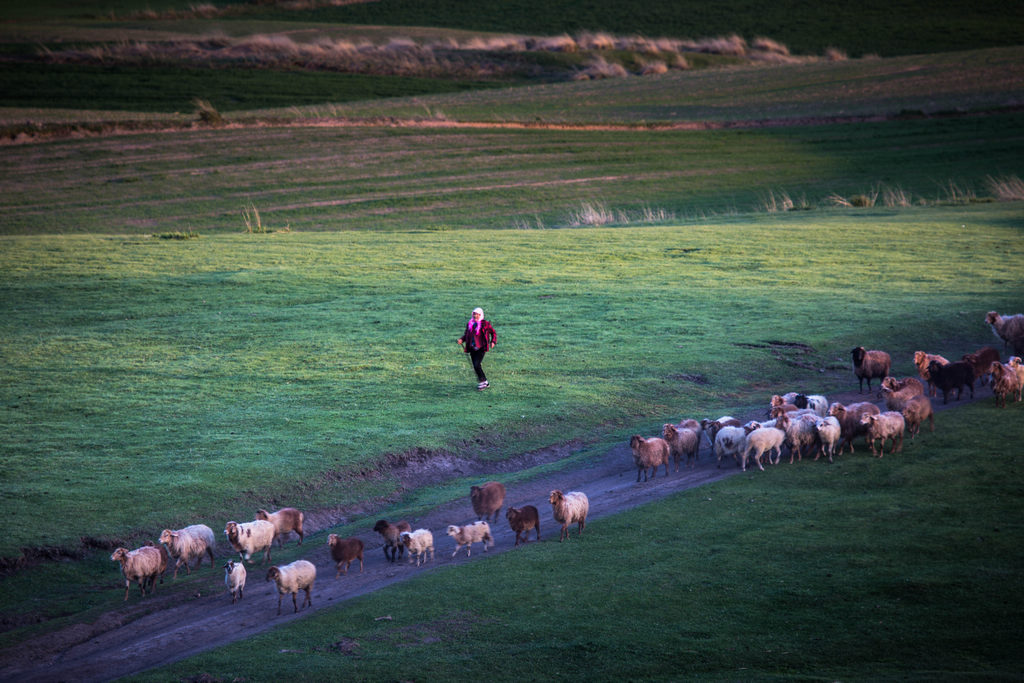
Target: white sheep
{"points": [[887, 425], [763, 440], [285, 521], [141, 565], [730, 441], [249, 538], [567, 508], [829, 432], [815, 402], [712, 427], [800, 433], [478, 532], [234, 579], [418, 543], [187, 544], [292, 578], [1009, 328]]}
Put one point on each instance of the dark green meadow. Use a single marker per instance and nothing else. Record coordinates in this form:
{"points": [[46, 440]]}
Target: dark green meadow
{"points": [[908, 567]]}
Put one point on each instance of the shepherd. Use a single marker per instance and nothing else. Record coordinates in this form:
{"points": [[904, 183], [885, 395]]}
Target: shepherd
{"points": [[478, 339]]}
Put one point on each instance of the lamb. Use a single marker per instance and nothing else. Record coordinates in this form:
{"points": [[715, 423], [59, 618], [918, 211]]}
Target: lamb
{"points": [[896, 399], [521, 520], [815, 402], [800, 432], [916, 411], [250, 538], [887, 425], [1009, 328], [868, 365], [829, 432], [187, 544], [761, 440], [419, 543], [682, 442], [568, 508], [921, 361], [141, 565], [292, 578], [487, 500], [392, 537], [344, 551], [730, 441], [285, 521], [648, 454], [953, 376], [712, 427], [469, 534], [234, 579], [1005, 383], [849, 421], [981, 360]]}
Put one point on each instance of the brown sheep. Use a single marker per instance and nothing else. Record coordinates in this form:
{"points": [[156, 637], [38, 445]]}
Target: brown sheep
{"points": [[953, 376], [896, 398], [391, 534], [648, 454], [285, 521], [888, 425], [1005, 383], [140, 565], [916, 411], [344, 551], [849, 417], [981, 360], [1018, 366], [868, 365], [682, 442], [1009, 328], [487, 500], [567, 508], [921, 361], [521, 520]]}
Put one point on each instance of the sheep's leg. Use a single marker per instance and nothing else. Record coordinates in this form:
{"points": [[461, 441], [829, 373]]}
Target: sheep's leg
{"points": [[295, 603], [279, 596]]}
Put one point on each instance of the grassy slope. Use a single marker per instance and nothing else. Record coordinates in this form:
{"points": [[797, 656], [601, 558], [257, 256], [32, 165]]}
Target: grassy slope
{"points": [[905, 567]]}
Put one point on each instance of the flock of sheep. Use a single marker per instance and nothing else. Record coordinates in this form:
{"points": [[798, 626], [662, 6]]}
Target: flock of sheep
{"points": [[800, 423]]}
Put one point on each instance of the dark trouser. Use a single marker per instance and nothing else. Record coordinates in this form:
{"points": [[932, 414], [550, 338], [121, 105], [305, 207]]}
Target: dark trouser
{"points": [[477, 357]]}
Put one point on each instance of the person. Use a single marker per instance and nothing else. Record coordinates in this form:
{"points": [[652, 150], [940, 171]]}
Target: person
{"points": [[478, 339]]}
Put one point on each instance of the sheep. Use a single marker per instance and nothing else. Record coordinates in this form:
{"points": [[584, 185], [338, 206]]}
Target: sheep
{"points": [[693, 425], [250, 538], [981, 360], [1009, 328], [521, 520], [682, 442], [922, 360], [568, 508], [1005, 383], [712, 427], [140, 565], [487, 500], [187, 544], [800, 432], [391, 534], [1018, 367], [956, 375], [344, 551], [234, 579], [729, 441], [285, 521], [916, 411], [778, 405], [165, 558], [648, 454], [815, 402], [761, 440], [292, 578], [868, 365], [469, 534], [419, 543], [849, 421], [896, 398], [887, 425], [829, 432], [791, 412]]}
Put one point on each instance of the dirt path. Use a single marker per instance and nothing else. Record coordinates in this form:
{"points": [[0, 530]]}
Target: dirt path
{"points": [[173, 625]]}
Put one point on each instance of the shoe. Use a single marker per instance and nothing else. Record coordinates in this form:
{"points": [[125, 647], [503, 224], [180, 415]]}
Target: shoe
{"points": [[483, 385]]}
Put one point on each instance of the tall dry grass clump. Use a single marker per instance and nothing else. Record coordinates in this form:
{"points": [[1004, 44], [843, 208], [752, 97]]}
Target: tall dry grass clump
{"points": [[597, 68], [1005, 188]]}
